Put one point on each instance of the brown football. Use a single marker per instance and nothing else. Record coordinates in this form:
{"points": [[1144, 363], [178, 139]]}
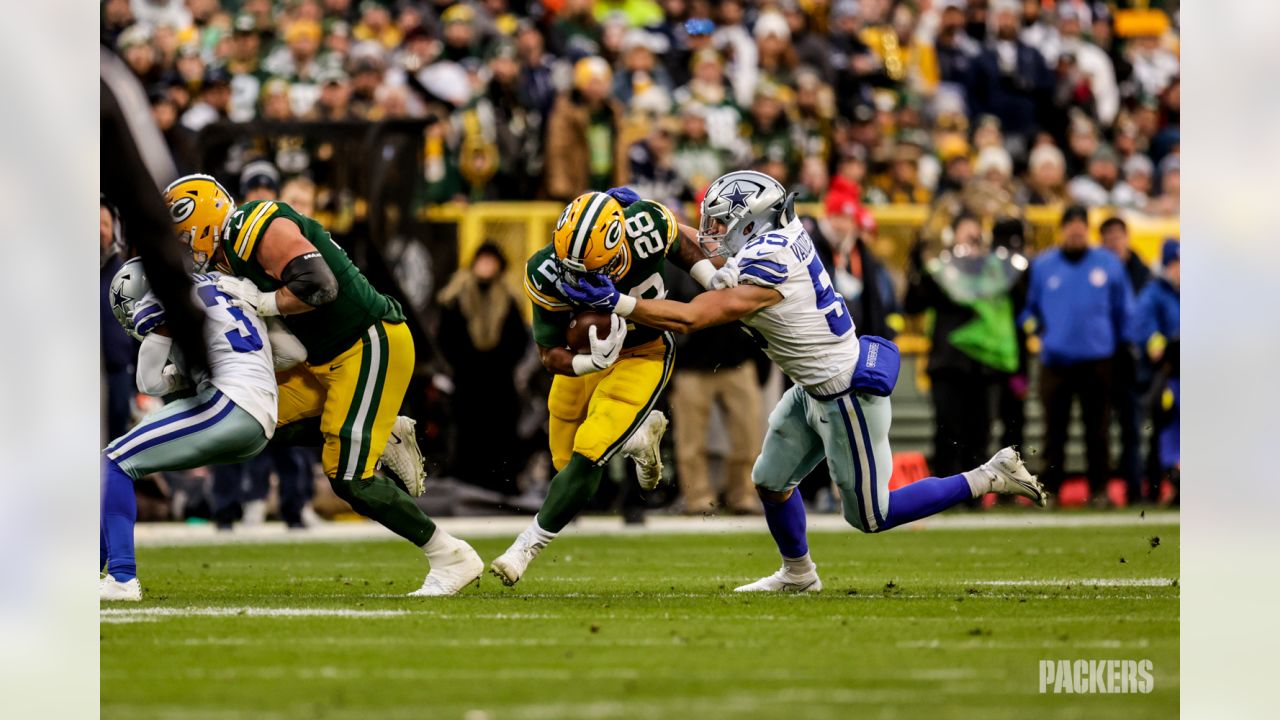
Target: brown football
{"points": [[577, 335]]}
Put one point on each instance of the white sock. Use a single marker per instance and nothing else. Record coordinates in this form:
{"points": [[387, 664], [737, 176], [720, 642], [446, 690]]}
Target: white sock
{"points": [[440, 541], [535, 536], [980, 479], [798, 566]]}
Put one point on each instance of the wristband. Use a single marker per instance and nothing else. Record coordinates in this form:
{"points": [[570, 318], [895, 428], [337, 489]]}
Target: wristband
{"points": [[626, 305], [702, 271], [267, 305], [582, 365]]}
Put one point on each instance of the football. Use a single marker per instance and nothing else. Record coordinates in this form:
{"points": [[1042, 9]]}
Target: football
{"points": [[578, 339]]}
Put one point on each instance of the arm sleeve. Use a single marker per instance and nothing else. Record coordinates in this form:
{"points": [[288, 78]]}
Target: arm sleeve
{"points": [[153, 356], [550, 327]]}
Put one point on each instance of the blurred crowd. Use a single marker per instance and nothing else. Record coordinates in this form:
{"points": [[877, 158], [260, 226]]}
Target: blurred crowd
{"points": [[980, 102], [975, 109]]}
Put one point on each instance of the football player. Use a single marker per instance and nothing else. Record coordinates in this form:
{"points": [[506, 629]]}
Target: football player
{"points": [[838, 408], [601, 403], [359, 361], [230, 417]]}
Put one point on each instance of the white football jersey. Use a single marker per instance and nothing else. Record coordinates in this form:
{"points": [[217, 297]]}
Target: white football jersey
{"points": [[810, 334], [239, 352]]}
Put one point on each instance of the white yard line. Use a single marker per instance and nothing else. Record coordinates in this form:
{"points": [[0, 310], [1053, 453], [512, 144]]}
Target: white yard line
{"points": [[169, 534], [153, 612], [1083, 582]]}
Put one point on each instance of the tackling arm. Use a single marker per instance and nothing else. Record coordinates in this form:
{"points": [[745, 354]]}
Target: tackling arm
{"points": [[706, 310], [289, 257], [688, 256]]}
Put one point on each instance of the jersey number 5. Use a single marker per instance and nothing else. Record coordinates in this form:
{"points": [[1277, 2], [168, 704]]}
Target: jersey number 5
{"points": [[247, 341], [829, 302]]}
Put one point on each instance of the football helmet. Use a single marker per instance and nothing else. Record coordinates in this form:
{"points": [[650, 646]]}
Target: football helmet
{"points": [[201, 210], [749, 203], [589, 236], [128, 287]]}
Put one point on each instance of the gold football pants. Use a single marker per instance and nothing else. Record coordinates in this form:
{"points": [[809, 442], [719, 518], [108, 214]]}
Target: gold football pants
{"points": [[593, 415], [357, 396]]}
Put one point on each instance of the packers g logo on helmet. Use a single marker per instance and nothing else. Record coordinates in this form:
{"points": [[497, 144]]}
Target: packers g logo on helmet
{"points": [[588, 236], [200, 208]]}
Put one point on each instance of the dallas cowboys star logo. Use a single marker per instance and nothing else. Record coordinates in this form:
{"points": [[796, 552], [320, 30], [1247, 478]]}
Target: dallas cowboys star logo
{"points": [[118, 298], [737, 197]]}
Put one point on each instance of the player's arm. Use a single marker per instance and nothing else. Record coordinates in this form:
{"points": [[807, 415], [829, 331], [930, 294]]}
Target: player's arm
{"points": [[156, 375], [688, 255], [286, 255], [602, 353], [705, 310]]}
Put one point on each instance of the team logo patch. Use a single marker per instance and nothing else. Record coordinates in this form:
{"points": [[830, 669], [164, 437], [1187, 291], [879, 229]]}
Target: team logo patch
{"points": [[1097, 277], [613, 235], [182, 209]]}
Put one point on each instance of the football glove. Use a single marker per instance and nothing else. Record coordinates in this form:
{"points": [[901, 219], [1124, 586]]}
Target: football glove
{"points": [[146, 317], [244, 294], [604, 353], [623, 194], [726, 277], [594, 291]]}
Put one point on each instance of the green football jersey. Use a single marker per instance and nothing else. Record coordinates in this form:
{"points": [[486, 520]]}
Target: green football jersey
{"points": [[651, 234], [329, 329]]}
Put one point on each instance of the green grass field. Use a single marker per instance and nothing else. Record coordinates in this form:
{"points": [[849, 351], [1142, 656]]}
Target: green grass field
{"points": [[938, 623]]}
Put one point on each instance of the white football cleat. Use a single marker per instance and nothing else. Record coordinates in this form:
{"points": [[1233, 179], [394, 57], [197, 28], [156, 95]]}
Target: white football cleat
{"points": [[452, 569], [404, 457], [510, 566], [786, 581], [110, 588], [644, 447], [1011, 477]]}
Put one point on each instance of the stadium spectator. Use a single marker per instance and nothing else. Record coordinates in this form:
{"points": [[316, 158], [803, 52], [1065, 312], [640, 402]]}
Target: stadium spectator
{"points": [[214, 102], [643, 84], [1078, 303], [715, 368], [1046, 179], [1155, 330], [585, 112], [697, 160], [1095, 188], [652, 163], [119, 351], [973, 343], [1128, 383], [483, 338], [1011, 81]]}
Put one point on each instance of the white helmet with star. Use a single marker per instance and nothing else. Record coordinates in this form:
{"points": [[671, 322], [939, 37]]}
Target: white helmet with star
{"points": [[738, 207], [127, 288]]}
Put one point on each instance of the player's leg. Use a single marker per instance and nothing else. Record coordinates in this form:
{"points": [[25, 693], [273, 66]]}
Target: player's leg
{"points": [[790, 452], [857, 440], [364, 388], [592, 417], [200, 430]]}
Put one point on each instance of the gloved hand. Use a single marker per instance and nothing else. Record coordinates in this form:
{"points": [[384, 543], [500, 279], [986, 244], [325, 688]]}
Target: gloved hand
{"points": [[726, 276], [146, 317], [244, 294], [605, 352], [623, 194], [594, 291]]}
